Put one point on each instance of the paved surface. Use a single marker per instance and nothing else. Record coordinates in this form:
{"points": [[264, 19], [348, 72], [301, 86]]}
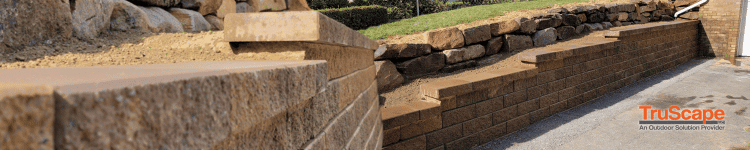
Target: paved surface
{"points": [[611, 121]]}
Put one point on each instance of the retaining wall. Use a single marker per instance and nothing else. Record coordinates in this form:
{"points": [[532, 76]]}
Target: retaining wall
{"points": [[471, 110]]}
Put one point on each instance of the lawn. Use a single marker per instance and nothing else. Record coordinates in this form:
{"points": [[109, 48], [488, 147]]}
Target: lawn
{"points": [[454, 17]]}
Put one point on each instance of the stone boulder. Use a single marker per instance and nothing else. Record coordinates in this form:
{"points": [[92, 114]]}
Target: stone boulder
{"points": [[566, 32], [268, 5], [528, 26], [453, 56], [459, 66], [613, 17], [476, 34], [191, 21], [445, 38], [91, 17], [156, 3], [126, 16], [503, 27], [559, 10], [545, 37], [606, 25], [243, 7], [627, 7], [582, 17], [646, 8], [596, 17], [689, 15], [227, 7], [34, 22], [387, 76], [493, 46], [616, 24], [576, 9], [517, 42], [622, 16], [612, 8], [297, 5], [666, 18], [216, 22], [544, 23], [204, 7], [684, 2], [422, 65], [627, 23], [160, 20], [584, 28], [589, 9], [403, 50], [597, 26], [570, 20], [665, 5]]}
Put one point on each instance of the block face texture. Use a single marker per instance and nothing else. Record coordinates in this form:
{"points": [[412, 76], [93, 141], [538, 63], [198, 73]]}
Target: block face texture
{"points": [[421, 127], [492, 133], [405, 50], [458, 115], [268, 5], [350, 86], [444, 135], [445, 38], [503, 27], [387, 75], [493, 46], [517, 42], [307, 26], [466, 142], [477, 124], [476, 34], [489, 106], [28, 113], [518, 123], [545, 37], [338, 132], [566, 32], [457, 55], [414, 143], [505, 114], [570, 20]]}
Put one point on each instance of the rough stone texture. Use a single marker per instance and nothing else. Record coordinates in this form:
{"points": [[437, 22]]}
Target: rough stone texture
{"points": [[613, 17], [387, 75], [494, 45], [623, 16], [27, 116], [126, 16], [545, 37], [570, 20], [582, 17], [616, 24], [612, 8], [596, 17], [665, 5], [191, 21], [459, 66], [216, 22], [689, 15], [204, 7], [627, 7], [307, 26], [646, 8], [633, 16], [666, 18], [583, 28], [298, 5], [466, 53], [626, 23], [476, 34], [160, 20], [341, 60], [559, 10], [158, 3], [684, 2], [91, 17], [504, 27], [445, 38], [576, 9], [597, 26], [227, 7], [268, 5], [243, 7], [545, 23], [23, 24], [403, 50], [528, 26], [517, 42], [422, 65], [606, 25], [566, 32]]}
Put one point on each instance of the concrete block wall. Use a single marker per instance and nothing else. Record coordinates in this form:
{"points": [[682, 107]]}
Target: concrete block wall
{"points": [[720, 20], [479, 108]]}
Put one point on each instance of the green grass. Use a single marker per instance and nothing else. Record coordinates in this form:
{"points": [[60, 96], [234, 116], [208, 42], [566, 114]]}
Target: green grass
{"points": [[454, 17]]}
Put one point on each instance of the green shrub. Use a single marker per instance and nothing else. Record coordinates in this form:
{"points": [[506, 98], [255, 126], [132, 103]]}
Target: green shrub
{"points": [[358, 17], [398, 13], [327, 4], [407, 8]]}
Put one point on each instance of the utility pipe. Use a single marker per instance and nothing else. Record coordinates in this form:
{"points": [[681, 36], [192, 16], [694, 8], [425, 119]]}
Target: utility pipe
{"points": [[689, 7]]}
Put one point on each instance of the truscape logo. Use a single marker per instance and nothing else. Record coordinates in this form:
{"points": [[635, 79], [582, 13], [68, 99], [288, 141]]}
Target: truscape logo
{"points": [[676, 119]]}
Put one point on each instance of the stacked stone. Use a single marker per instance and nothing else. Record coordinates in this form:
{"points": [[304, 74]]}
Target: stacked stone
{"points": [[691, 14], [455, 48]]}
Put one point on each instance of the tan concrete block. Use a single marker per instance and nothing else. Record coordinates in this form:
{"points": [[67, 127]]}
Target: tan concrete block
{"points": [[466, 142], [308, 26], [492, 133], [483, 80], [391, 136], [268, 5], [27, 115], [341, 129], [398, 116], [504, 114], [518, 123], [413, 143], [458, 115], [444, 135], [489, 106], [421, 127], [477, 124], [446, 88], [351, 85]]}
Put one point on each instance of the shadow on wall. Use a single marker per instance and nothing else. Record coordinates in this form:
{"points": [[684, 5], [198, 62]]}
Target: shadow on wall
{"points": [[556, 120]]}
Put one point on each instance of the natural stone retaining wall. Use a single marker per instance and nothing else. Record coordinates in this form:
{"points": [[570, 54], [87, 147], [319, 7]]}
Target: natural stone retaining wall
{"points": [[471, 110]]}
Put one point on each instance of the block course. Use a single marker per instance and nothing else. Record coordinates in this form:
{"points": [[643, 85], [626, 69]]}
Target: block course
{"points": [[479, 108]]}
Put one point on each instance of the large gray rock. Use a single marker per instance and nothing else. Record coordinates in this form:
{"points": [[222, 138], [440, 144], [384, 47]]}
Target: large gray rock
{"points": [[459, 66], [160, 20], [33, 22], [558, 10], [476, 34], [204, 7], [244, 7], [453, 56], [528, 26], [544, 23], [126, 16], [91, 17], [517, 42], [494, 45], [445, 38], [566, 32], [606, 25], [616, 24], [570, 20], [387, 76], [422, 65], [584, 28], [545, 37], [612, 8], [576, 9], [627, 7], [191, 21], [403, 50], [158, 3], [596, 17], [216, 22], [613, 17]]}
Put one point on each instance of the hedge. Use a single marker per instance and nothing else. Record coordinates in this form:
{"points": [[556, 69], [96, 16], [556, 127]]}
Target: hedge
{"points": [[358, 17]]}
